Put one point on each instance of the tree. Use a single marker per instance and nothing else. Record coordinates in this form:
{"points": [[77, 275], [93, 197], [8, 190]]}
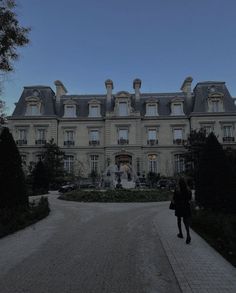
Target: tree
{"points": [[195, 144], [216, 187], [53, 159], [12, 181], [2, 112], [40, 178], [12, 35]]}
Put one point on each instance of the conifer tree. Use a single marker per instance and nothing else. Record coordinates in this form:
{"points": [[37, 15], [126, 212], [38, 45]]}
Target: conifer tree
{"points": [[12, 181], [215, 188], [40, 178]]}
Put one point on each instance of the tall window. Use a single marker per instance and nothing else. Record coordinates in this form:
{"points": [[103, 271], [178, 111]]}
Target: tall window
{"points": [[70, 111], [178, 135], [94, 135], [22, 134], [215, 105], [94, 163], [179, 163], [151, 110], [41, 136], [208, 129], [69, 137], [69, 164], [123, 136], [228, 131], [152, 134], [94, 111], [22, 137], [152, 163], [123, 109]]}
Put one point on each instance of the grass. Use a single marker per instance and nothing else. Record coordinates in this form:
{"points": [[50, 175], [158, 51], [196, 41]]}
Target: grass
{"points": [[219, 230], [122, 195], [12, 220]]}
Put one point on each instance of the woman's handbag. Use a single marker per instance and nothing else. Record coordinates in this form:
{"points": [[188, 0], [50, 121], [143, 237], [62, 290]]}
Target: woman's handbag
{"points": [[172, 206]]}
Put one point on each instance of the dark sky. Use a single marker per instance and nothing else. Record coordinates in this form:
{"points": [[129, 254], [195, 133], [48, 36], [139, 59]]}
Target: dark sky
{"points": [[84, 42]]}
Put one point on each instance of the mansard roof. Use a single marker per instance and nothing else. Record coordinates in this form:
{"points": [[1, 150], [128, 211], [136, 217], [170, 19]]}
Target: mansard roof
{"points": [[46, 96], [202, 92], [54, 107]]}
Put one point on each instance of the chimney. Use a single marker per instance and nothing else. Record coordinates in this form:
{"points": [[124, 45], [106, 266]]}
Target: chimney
{"points": [[109, 87], [137, 85], [60, 90], [186, 86]]}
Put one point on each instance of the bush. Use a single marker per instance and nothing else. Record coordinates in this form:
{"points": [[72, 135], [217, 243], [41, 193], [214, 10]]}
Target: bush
{"points": [[12, 220], [122, 195], [219, 230]]}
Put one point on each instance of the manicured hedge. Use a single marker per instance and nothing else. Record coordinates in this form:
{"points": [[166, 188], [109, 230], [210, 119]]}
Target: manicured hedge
{"points": [[121, 195], [12, 220]]}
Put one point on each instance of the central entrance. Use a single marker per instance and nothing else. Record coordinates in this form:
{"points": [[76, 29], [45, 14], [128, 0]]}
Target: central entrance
{"points": [[123, 159]]}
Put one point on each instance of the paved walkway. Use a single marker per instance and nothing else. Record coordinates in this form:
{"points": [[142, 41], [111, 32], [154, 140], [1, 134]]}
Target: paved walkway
{"points": [[197, 267], [110, 248]]}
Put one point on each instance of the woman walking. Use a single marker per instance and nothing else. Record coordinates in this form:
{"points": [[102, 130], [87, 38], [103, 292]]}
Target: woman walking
{"points": [[182, 197]]}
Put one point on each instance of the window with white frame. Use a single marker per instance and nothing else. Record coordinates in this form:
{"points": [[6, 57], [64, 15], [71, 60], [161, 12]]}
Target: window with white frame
{"points": [[151, 110], [228, 131], [70, 111], [94, 111], [94, 163], [69, 137], [33, 109], [177, 109], [22, 137], [123, 109], [40, 136], [94, 136], [215, 105], [177, 135], [152, 163], [69, 163], [123, 136], [152, 136], [179, 163]]}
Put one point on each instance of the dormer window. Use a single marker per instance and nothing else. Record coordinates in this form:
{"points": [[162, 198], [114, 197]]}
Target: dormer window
{"points": [[215, 102], [70, 110], [123, 109], [152, 107], [151, 110], [177, 107], [33, 107], [94, 108]]}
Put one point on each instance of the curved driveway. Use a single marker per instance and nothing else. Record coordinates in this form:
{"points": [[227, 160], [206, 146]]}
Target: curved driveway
{"points": [[88, 247]]}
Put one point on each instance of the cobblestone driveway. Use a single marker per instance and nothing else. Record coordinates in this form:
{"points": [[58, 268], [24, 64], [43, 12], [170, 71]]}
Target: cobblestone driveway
{"points": [[88, 247]]}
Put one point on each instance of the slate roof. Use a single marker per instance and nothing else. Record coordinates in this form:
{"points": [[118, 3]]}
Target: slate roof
{"points": [[52, 109]]}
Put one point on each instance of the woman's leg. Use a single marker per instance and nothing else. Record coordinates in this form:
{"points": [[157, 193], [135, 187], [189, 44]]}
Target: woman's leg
{"points": [[186, 224], [180, 235]]}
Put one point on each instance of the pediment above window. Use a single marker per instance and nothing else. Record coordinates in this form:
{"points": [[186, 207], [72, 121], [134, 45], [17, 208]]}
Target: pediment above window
{"points": [[123, 94], [94, 102], [69, 102]]}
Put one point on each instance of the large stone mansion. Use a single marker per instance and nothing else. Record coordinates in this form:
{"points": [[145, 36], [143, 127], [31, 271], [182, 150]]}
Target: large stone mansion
{"points": [[145, 130]]}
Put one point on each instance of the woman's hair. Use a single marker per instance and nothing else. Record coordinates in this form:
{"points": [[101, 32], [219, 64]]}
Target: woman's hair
{"points": [[183, 186]]}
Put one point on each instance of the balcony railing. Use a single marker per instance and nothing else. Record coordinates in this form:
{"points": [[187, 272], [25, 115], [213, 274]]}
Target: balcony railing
{"points": [[94, 142], [179, 141], [69, 143], [40, 141], [152, 141], [123, 141], [228, 139], [21, 142]]}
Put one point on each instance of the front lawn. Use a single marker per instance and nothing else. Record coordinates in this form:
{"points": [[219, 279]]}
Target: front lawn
{"points": [[219, 230], [121, 195]]}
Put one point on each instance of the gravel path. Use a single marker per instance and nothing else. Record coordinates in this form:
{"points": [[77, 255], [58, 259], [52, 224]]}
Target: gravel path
{"points": [[88, 247]]}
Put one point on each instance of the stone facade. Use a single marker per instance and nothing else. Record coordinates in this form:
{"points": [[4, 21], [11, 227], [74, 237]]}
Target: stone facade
{"points": [[144, 130]]}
